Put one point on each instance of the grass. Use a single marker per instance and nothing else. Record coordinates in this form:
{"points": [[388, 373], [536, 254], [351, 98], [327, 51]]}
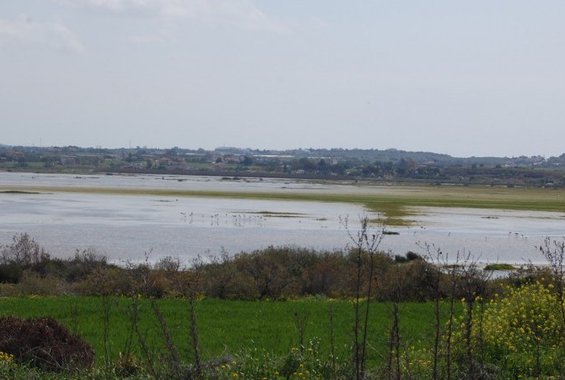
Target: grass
{"points": [[228, 327], [18, 192], [396, 203], [500, 266], [275, 214]]}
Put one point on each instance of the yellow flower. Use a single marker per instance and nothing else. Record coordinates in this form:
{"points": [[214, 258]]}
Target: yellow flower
{"points": [[6, 358]]}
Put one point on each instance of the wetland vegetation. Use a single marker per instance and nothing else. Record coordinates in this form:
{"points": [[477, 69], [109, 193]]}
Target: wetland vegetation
{"points": [[394, 202]]}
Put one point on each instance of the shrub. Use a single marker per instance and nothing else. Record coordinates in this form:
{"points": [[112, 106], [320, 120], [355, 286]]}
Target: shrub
{"points": [[32, 283], [77, 268], [24, 251], [44, 343], [520, 331], [10, 272], [410, 281], [304, 362], [106, 281], [329, 276]]}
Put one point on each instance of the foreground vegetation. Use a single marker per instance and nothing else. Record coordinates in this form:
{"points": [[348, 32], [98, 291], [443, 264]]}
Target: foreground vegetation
{"points": [[226, 328], [291, 314]]}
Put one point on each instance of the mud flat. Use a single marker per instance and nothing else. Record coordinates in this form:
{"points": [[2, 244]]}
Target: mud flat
{"points": [[126, 216]]}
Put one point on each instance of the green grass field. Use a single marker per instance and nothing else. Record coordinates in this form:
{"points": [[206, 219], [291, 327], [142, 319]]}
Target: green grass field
{"points": [[228, 327]]}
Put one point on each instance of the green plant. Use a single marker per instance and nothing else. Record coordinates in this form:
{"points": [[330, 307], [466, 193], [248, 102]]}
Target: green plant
{"points": [[499, 266], [520, 331]]}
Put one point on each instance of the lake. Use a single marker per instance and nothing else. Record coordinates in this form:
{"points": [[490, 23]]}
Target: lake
{"points": [[127, 227]]}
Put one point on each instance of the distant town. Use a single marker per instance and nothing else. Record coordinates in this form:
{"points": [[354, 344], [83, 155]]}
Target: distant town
{"points": [[387, 166]]}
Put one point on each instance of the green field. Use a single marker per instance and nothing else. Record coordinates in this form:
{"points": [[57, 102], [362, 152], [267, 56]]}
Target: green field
{"points": [[228, 327]]}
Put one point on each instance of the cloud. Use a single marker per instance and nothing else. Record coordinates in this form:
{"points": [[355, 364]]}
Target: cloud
{"points": [[132, 6], [23, 30], [242, 14]]}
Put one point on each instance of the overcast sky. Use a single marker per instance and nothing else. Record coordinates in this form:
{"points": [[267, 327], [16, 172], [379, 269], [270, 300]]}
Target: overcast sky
{"points": [[481, 77]]}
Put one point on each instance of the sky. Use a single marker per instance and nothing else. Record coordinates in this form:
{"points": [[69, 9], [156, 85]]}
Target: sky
{"points": [[465, 78]]}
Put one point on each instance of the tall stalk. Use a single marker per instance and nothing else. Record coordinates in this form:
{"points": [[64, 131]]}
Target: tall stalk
{"points": [[365, 244], [332, 338], [437, 259], [106, 313], [554, 253], [473, 286], [451, 315], [194, 336], [166, 333], [394, 370]]}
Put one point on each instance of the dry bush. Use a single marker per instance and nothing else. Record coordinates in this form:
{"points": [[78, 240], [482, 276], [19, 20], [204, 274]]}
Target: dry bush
{"points": [[73, 269], [265, 274], [281, 272], [106, 281], [23, 251], [381, 263], [44, 343], [9, 290], [222, 278], [25, 263], [329, 276], [411, 281], [32, 283]]}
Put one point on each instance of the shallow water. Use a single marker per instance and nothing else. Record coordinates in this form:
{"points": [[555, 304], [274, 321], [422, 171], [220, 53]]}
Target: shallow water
{"points": [[171, 182], [125, 227]]}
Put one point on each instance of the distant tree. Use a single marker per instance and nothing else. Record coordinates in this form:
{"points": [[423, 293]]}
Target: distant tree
{"points": [[306, 164], [247, 160], [323, 167]]}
